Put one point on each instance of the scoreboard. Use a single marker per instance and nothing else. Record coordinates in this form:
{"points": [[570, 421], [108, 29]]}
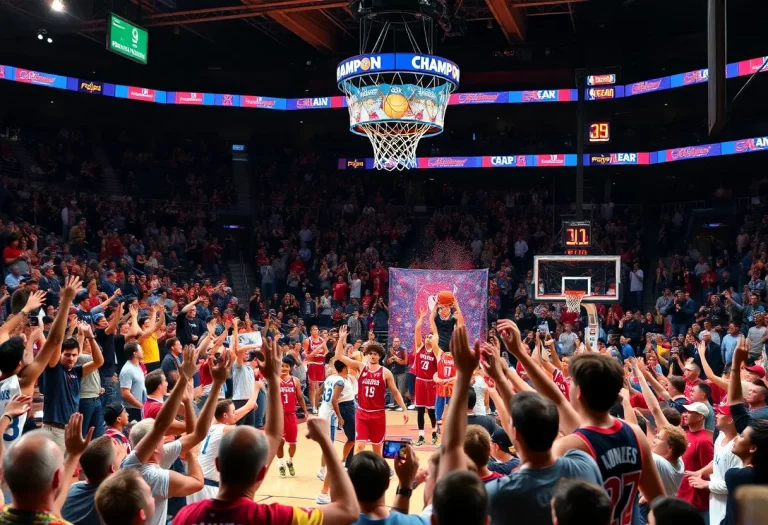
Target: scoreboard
{"points": [[599, 132], [577, 237]]}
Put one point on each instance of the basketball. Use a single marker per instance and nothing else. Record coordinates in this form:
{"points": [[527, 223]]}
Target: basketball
{"points": [[395, 106], [445, 298]]}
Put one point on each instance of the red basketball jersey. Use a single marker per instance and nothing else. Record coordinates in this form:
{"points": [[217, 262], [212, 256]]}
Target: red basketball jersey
{"points": [[445, 367], [318, 359], [288, 395], [371, 390], [426, 364]]}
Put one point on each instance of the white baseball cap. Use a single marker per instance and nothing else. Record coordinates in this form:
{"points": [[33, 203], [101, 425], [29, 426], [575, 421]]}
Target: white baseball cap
{"points": [[699, 408]]}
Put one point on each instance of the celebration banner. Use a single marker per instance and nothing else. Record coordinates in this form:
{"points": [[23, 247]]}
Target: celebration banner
{"points": [[414, 291]]}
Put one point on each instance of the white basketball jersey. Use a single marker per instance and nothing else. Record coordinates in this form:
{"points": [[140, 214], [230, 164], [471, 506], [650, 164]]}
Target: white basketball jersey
{"points": [[8, 388], [210, 450]]}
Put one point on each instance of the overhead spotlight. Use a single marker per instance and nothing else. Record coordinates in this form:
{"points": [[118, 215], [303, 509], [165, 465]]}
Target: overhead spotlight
{"points": [[58, 6], [49, 40], [40, 36]]}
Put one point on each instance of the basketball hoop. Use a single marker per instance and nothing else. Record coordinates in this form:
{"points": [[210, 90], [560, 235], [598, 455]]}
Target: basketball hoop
{"points": [[395, 99], [573, 300]]}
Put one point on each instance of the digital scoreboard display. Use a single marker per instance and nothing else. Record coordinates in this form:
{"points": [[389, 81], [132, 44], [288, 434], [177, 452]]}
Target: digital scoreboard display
{"points": [[577, 235], [127, 39], [599, 132]]}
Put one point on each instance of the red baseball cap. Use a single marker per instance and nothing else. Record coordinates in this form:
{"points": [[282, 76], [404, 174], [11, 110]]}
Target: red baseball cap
{"points": [[756, 369], [723, 409]]}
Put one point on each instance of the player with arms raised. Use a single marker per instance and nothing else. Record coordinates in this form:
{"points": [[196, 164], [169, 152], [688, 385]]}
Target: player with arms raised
{"points": [[370, 418], [290, 392], [314, 350], [425, 364], [19, 378]]}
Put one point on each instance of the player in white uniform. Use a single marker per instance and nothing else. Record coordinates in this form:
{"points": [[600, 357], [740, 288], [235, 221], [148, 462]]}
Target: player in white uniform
{"points": [[226, 416], [19, 374]]}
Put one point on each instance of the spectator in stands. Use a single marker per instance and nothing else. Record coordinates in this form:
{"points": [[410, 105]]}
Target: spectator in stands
{"points": [[132, 388], [125, 498]]}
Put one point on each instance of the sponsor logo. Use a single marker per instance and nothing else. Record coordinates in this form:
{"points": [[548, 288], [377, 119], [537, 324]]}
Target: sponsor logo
{"points": [[601, 93], [258, 102], [540, 96], [509, 160], [552, 160], [600, 159], [436, 65], [189, 98], [227, 100], [756, 64], [312, 102], [756, 144], [522, 160], [2, 71], [355, 65], [601, 80], [646, 86], [137, 93], [446, 162], [477, 98], [355, 164], [694, 77], [690, 152], [91, 87], [33, 77]]}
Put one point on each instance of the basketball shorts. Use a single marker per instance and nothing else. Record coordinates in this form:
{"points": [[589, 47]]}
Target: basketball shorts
{"points": [[425, 393], [370, 427], [290, 428], [330, 415], [315, 372]]}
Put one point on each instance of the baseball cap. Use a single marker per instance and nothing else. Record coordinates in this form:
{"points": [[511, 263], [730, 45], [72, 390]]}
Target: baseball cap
{"points": [[699, 408], [723, 409], [756, 369], [98, 317], [501, 438], [112, 411]]}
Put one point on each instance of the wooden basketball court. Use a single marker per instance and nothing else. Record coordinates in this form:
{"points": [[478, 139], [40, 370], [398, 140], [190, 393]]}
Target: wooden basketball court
{"points": [[302, 489]]}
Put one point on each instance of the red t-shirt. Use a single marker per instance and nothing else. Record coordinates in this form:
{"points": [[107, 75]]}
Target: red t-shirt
{"points": [[699, 453], [11, 253], [339, 291], [152, 408], [562, 383], [244, 511]]}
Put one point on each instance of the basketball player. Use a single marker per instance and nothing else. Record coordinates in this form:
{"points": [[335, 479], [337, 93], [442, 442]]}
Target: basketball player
{"points": [[225, 418], [620, 450], [425, 364], [314, 351], [290, 391], [18, 378], [443, 319], [370, 418], [444, 378]]}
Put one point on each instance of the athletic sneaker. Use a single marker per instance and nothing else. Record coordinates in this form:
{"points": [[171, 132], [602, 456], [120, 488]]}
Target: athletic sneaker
{"points": [[323, 499], [290, 469], [282, 471], [399, 409], [321, 474], [434, 438], [411, 407], [420, 442]]}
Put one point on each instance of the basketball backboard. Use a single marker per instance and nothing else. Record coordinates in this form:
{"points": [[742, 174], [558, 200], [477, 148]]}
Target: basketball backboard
{"points": [[599, 276]]}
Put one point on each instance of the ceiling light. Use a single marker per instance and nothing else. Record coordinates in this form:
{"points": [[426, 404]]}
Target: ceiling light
{"points": [[57, 5], [50, 40], [39, 36]]}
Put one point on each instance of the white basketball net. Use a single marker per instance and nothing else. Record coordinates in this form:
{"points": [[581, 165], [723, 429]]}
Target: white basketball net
{"points": [[573, 300], [394, 143]]}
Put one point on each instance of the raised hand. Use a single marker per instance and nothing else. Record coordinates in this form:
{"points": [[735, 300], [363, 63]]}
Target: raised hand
{"points": [[35, 301], [189, 365], [343, 331], [74, 443], [318, 429], [466, 358], [72, 285], [211, 326], [492, 357], [220, 370], [17, 406], [510, 333], [741, 353], [134, 310], [407, 466], [272, 363]]}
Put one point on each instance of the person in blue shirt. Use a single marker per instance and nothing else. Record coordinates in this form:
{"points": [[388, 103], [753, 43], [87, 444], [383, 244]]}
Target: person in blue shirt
{"points": [[729, 342], [626, 349]]}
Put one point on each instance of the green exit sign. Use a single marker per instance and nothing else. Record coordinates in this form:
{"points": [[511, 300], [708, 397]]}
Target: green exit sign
{"points": [[127, 39]]}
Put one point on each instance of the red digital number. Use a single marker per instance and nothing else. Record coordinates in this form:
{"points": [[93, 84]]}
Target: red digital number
{"points": [[577, 237]]}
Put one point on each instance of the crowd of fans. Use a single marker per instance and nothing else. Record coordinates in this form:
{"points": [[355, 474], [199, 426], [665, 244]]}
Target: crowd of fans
{"points": [[120, 331]]}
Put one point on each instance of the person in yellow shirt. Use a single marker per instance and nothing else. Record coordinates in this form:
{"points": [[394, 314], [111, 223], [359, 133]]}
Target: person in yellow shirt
{"points": [[151, 327]]}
